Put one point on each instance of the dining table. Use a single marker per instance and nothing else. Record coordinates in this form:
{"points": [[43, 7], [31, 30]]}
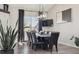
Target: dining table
{"points": [[44, 37]]}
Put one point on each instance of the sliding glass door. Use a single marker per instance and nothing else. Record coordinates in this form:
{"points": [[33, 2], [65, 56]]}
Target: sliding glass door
{"points": [[30, 23]]}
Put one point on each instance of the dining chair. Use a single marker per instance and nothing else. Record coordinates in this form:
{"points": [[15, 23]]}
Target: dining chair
{"points": [[29, 38], [35, 41], [54, 41]]}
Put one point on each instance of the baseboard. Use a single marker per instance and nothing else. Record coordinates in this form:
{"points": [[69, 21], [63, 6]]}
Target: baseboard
{"points": [[68, 45]]}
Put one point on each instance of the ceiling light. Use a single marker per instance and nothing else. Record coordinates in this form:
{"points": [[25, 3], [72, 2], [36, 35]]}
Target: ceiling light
{"points": [[42, 12]]}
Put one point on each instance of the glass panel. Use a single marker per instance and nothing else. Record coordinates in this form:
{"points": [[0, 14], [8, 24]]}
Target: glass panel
{"points": [[30, 23]]}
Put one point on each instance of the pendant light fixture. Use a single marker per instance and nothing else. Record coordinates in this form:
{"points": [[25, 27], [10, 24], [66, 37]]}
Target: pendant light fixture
{"points": [[42, 12]]}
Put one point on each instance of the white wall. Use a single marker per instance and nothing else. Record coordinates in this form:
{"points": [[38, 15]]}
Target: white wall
{"points": [[66, 29], [1, 6], [27, 13], [13, 15], [4, 17]]}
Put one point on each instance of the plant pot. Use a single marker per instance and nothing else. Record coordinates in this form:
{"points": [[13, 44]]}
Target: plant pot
{"points": [[11, 51]]}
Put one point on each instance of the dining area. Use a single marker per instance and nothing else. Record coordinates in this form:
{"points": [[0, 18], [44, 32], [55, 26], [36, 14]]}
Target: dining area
{"points": [[44, 40]]}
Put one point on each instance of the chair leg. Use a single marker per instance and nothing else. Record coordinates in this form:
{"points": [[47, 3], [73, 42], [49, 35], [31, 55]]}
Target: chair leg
{"points": [[42, 46], [51, 47], [29, 44], [32, 46], [56, 48], [35, 47]]}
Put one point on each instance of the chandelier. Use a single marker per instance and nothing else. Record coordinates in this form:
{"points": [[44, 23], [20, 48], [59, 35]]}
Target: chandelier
{"points": [[42, 12]]}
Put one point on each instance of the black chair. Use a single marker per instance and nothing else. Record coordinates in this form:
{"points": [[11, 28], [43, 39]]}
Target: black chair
{"points": [[54, 40], [29, 38], [35, 41]]}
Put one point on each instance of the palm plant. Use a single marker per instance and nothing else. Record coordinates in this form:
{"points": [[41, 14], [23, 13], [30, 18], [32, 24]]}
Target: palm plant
{"points": [[8, 37]]}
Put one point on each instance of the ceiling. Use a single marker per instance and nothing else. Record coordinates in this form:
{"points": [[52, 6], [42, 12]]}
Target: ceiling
{"points": [[34, 7]]}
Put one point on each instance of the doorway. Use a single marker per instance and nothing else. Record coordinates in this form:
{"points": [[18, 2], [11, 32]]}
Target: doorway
{"points": [[30, 23]]}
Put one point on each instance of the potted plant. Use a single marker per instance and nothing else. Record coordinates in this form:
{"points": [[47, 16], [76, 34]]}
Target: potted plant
{"points": [[7, 38], [76, 40]]}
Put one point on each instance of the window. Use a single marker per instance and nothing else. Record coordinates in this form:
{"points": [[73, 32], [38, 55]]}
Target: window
{"points": [[30, 22], [64, 16]]}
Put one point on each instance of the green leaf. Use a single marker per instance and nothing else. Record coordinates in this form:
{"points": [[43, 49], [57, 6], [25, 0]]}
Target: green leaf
{"points": [[13, 45]]}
